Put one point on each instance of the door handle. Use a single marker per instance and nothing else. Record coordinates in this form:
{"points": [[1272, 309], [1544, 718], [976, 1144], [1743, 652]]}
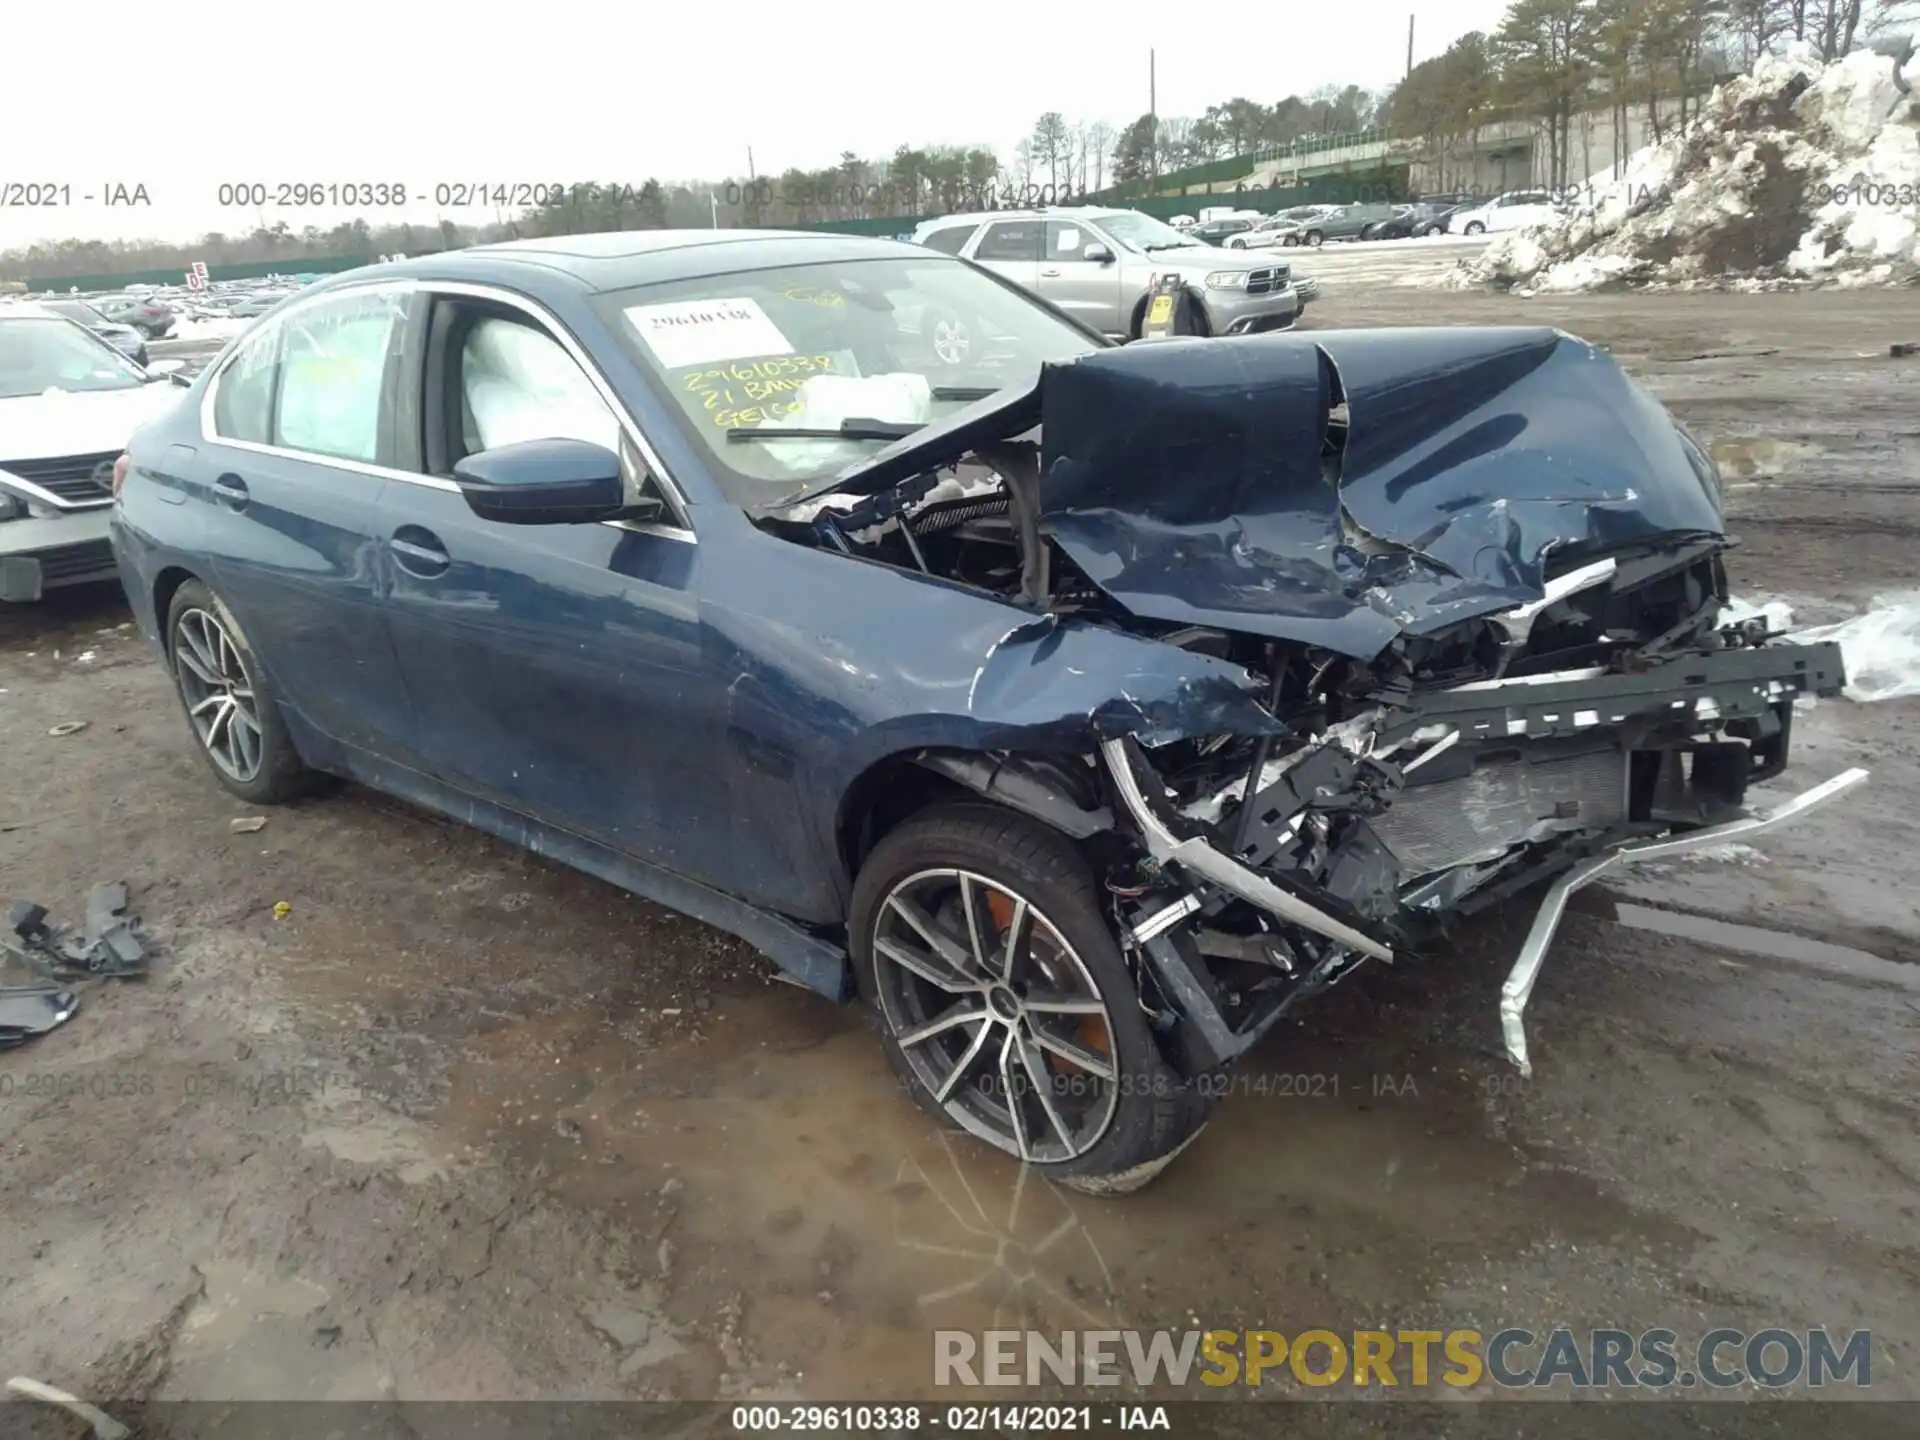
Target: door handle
{"points": [[419, 552], [1050, 274], [231, 491]]}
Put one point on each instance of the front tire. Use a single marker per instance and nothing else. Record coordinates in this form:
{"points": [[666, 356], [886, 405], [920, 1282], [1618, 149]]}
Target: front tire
{"points": [[1005, 1004], [1474, 227], [231, 708], [1314, 239]]}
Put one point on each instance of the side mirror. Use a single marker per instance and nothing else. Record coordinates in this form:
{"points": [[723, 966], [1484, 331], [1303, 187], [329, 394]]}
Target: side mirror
{"points": [[165, 367], [543, 482], [1098, 253]]}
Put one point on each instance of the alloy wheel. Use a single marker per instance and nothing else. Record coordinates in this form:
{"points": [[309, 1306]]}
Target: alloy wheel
{"points": [[950, 340], [219, 694], [996, 1014]]}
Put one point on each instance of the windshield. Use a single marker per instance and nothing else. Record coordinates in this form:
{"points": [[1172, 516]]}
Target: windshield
{"points": [[813, 347], [37, 355], [1141, 233]]}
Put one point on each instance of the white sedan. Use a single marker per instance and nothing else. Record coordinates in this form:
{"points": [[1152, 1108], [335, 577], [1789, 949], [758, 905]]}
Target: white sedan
{"points": [[68, 403], [1515, 210]]}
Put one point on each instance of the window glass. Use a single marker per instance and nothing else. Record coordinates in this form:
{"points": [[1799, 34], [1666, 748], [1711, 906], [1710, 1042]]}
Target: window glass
{"points": [[518, 383], [333, 358], [905, 341], [41, 353], [1011, 240], [243, 403], [1064, 241], [950, 241]]}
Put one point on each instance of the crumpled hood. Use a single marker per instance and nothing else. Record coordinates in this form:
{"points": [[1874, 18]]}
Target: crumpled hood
{"points": [[1187, 478]]}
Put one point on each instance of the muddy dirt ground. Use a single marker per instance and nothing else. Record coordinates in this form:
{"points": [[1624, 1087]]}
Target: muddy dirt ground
{"points": [[463, 1124]]}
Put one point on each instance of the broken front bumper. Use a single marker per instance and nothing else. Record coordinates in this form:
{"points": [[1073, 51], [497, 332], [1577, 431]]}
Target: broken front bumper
{"points": [[1519, 987], [1699, 702]]}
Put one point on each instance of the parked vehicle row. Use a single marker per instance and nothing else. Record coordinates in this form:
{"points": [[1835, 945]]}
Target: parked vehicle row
{"points": [[1315, 225]]}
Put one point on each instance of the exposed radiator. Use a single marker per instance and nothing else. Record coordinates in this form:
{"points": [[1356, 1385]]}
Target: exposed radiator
{"points": [[1505, 801]]}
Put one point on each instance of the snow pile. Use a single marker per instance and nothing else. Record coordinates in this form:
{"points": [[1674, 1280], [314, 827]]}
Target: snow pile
{"points": [[1796, 173], [1881, 647], [218, 328]]}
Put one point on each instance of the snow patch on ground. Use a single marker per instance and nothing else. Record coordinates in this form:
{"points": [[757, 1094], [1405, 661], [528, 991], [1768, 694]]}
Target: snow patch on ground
{"points": [[213, 329], [1778, 613], [1881, 647], [1727, 852], [1792, 175]]}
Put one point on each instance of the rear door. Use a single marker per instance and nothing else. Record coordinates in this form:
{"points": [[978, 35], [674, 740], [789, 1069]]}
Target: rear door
{"points": [[1012, 248], [298, 448], [1088, 290]]}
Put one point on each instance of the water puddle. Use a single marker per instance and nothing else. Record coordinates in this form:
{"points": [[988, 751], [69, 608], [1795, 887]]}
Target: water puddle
{"points": [[1759, 458], [1774, 944]]}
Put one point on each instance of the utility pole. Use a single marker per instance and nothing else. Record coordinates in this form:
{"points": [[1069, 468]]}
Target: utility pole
{"points": [[1153, 114], [1409, 44]]}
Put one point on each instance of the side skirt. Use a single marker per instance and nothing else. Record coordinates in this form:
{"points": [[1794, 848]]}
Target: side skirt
{"points": [[812, 962]]}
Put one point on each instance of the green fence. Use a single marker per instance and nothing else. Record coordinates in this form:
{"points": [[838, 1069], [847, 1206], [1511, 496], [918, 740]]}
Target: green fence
{"points": [[1384, 184], [1238, 167], [241, 270]]}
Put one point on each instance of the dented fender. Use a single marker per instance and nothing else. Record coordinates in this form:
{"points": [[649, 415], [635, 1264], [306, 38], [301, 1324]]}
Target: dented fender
{"points": [[887, 664]]}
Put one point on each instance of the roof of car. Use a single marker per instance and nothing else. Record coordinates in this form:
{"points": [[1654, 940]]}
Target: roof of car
{"points": [[28, 310], [1034, 212], [620, 259]]}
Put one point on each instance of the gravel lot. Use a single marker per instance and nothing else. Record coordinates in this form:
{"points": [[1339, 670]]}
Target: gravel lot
{"points": [[463, 1124]]}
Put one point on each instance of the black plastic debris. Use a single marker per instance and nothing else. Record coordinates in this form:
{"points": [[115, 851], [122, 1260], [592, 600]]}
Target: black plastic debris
{"points": [[108, 944], [25, 1013]]}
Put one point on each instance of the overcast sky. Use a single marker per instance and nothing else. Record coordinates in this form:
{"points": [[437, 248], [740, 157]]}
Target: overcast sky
{"points": [[181, 98]]}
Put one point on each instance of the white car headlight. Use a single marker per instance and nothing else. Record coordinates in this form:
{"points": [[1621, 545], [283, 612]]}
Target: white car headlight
{"points": [[1227, 280]]}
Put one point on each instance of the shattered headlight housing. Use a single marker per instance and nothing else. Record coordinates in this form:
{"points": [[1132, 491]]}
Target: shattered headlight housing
{"points": [[1227, 280]]}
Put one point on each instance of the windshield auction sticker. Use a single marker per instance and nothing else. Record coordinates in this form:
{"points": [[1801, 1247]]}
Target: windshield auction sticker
{"points": [[703, 332]]}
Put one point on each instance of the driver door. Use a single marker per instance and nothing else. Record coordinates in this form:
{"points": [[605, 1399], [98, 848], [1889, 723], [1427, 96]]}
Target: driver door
{"points": [[556, 670], [1088, 290]]}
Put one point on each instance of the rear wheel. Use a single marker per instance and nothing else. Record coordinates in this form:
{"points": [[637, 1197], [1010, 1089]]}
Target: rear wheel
{"points": [[1005, 1004], [230, 704]]}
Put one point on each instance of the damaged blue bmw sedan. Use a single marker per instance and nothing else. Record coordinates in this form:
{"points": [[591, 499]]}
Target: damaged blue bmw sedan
{"points": [[1081, 709]]}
